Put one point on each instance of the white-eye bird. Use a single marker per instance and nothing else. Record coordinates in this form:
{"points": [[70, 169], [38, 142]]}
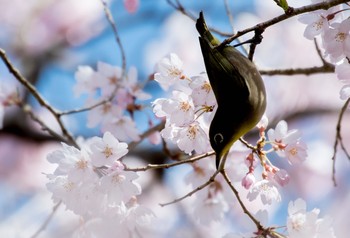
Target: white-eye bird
{"points": [[239, 91]]}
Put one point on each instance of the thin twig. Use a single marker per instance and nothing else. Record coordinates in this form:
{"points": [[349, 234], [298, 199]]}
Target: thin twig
{"points": [[48, 219], [230, 18], [250, 146], [116, 34], [211, 179], [166, 166], [338, 138], [294, 12], [179, 7], [318, 50], [229, 14], [84, 109], [31, 88], [245, 210]]}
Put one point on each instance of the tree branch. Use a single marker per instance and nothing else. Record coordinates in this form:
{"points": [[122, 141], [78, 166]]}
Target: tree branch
{"points": [[339, 139], [329, 68], [293, 12], [31, 88]]}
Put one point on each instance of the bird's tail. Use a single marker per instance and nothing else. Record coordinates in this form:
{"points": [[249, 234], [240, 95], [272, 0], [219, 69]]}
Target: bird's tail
{"points": [[204, 32]]}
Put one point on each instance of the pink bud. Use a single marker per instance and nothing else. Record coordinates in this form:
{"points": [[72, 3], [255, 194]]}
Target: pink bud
{"points": [[131, 5], [248, 180], [281, 177]]}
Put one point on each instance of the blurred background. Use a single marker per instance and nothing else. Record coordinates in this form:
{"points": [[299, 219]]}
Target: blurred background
{"points": [[48, 40]]}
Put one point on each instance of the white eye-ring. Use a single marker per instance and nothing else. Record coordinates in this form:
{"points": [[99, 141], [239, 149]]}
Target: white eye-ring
{"points": [[218, 138]]}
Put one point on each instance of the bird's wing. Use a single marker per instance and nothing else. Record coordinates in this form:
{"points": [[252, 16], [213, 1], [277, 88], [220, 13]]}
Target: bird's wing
{"points": [[223, 76]]}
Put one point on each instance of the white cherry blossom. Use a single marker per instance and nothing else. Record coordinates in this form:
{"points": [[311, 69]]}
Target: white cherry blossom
{"points": [[179, 110], [343, 71], [107, 150], [266, 190], [337, 40], [122, 127], [304, 224], [86, 81], [109, 77], [316, 22], [345, 92], [282, 135], [192, 137], [119, 185], [169, 71]]}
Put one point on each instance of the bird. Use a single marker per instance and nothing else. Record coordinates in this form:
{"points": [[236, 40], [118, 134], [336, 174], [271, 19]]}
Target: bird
{"points": [[238, 88]]}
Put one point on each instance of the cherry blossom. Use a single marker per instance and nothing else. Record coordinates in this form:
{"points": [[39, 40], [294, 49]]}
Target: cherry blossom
{"points": [[102, 114], [303, 224], [86, 81], [287, 143], [105, 151], [73, 162], [345, 92], [343, 71], [123, 127], [337, 40], [131, 85], [136, 216], [202, 93], [129, 219], [169, 71], [282, 135], [179, 110], [317, 23], [119, 185], [266, 190], [78, 197], [108, 76], [296, 152], [192, 137]]}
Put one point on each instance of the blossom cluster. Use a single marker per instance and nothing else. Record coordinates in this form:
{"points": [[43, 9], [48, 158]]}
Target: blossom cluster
{"points": [[188, 113], [106, 82], [93, 183], [333, 29]]}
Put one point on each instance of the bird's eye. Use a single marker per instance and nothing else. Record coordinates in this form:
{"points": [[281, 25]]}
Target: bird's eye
{"points": [[218, 138]]}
